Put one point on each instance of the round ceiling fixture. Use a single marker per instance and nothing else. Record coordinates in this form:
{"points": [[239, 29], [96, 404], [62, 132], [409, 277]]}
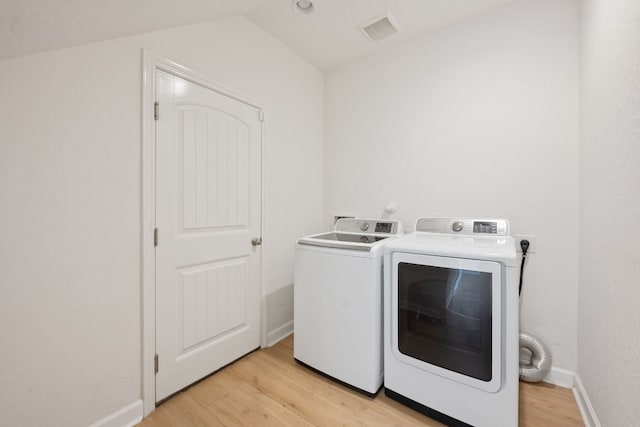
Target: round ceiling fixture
{"points": [[304, 7]]}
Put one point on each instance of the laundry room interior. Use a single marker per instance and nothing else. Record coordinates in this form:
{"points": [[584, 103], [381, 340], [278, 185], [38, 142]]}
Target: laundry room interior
{"points": [[527, 110]]}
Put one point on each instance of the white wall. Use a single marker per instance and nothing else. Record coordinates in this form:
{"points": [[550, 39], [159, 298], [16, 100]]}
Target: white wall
{"points": [[609, 294], [480, 119], [70, 205]]}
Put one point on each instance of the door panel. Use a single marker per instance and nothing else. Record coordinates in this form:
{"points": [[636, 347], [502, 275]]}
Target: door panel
{"points": [[215, 149], [213, 301], [208, 175]]}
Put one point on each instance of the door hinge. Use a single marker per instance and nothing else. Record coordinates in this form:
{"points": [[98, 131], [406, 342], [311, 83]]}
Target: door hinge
{"points": [[155, 237], [156, 110], [155, 363], [261, 115]]}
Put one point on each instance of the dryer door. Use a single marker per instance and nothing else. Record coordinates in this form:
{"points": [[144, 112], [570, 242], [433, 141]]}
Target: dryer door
{"points": [[446, 317]]}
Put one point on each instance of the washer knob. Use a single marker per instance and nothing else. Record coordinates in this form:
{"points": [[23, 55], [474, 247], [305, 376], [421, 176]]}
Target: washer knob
{"points": [[364, 226], [457, 226]]}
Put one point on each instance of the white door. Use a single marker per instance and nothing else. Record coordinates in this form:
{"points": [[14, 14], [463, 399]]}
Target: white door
{"points": [[208, 207]]}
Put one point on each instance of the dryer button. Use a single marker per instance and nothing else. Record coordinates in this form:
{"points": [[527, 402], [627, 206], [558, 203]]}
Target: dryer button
{"points": [[457, 226]]}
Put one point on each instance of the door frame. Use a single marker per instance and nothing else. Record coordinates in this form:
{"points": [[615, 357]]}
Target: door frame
{"points": [[151, 63]]}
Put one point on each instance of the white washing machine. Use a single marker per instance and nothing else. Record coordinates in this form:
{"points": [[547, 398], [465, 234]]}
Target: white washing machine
{"points": [[338, 301], [451, 325]]}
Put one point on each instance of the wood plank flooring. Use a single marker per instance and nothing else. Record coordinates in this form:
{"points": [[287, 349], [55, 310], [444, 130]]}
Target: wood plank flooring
{"points": [[268, 388]]}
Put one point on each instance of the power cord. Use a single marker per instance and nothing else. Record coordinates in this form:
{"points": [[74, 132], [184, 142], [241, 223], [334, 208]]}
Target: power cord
{"points": [[524, 245]]}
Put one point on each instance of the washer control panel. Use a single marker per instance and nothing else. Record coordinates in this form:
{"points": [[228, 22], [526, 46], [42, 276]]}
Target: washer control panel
{"points": [[368, 226], [466, 226]]}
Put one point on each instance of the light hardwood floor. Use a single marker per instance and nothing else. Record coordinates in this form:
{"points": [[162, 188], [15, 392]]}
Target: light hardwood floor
{"points": [[268, 388]]}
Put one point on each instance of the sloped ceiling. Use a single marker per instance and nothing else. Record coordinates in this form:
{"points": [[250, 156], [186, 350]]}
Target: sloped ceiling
{"points": [[330, 36], [30, 26], [327, 38]]}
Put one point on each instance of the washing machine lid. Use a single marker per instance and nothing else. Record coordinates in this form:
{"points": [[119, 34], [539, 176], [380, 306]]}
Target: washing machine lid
{"points": [[481, 239], [356, 234], [351, 241]]}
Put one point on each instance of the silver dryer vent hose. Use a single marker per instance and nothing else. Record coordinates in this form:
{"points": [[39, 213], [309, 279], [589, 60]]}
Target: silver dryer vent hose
{"points": [[540, 364]]}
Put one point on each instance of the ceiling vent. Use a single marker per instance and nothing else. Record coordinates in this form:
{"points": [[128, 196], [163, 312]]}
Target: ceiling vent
{"points": [[380, 27]]}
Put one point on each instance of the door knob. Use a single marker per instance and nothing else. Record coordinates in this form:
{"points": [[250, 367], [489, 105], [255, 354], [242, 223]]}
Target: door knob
{"points": [[256, 241]]}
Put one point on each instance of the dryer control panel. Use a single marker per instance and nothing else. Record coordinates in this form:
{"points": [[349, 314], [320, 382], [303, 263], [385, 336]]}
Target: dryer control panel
{"points": [[466, 226]]}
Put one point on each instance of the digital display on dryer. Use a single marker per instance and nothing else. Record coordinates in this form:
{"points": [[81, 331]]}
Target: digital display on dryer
{"points": [[488, 227], [383, 227]]}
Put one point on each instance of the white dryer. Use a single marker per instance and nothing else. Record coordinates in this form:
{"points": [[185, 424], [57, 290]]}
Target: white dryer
{"points": [[338, 301], [451, 325]]}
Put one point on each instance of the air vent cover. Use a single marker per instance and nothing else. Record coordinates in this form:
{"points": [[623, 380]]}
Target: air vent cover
{"points": [[379, 28]]}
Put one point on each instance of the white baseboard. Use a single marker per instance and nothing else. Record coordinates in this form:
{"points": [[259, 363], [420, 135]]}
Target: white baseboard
{"points": [[584, 405], [279, 315], [126, 417], [561, 378], [279, 333], [568, 379]]}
